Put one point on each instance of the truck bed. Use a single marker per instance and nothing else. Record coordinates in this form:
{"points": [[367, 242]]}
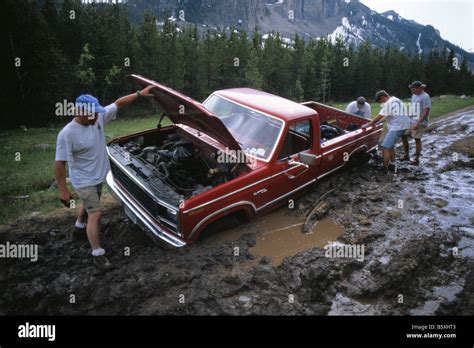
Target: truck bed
{"points": [[335, 116], [338, 151]]}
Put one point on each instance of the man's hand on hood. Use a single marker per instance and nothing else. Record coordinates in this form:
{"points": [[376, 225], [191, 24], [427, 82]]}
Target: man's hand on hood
{"points": [[129, 99], [146, 92]]}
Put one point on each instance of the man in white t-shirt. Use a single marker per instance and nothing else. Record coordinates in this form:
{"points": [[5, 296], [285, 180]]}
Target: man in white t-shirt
{"points": [[81, 144], [398, 122], [360, 107], [421, 108]]}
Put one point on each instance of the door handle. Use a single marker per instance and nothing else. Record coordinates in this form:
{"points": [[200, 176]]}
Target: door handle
{"points": [[298, 164]]}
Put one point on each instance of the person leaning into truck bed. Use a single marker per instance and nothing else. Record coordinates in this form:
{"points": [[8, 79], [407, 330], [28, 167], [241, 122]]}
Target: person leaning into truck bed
{"points": [[398, 123], [81, 144], [360, 107]]}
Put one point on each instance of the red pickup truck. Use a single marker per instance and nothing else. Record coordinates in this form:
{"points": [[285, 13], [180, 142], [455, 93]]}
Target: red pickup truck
{"points": [[242, 151]]}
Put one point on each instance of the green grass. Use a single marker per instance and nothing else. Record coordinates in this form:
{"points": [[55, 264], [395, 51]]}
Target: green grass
{"points": [[33, 174], [441, 106]]}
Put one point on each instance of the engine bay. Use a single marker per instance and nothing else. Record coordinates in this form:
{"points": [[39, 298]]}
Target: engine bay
{"points": [[175, 161]]}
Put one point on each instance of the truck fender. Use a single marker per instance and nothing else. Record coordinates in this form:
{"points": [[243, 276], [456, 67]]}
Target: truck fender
{"points": [[247, 207]]}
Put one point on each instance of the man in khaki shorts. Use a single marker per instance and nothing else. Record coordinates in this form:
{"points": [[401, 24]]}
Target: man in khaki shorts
{"points": [[421, 107], [81, 144]]}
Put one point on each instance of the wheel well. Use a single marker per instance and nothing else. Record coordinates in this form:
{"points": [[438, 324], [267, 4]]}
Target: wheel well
{"points": [[359, 155], [224, 222]]}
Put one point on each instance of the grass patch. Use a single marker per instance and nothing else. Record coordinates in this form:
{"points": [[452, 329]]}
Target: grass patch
{"points": [[25, 183]]}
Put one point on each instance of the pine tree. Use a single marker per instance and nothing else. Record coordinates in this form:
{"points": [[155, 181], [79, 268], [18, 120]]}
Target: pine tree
{"points": [[71, 29], [298, 92], [452, 67], [464, 80], [151, 62], [111, 78], [276, 65], [50, 14], [309, 76], [253, 76], [85, 74], [297, 68], [338, 69], [325, 77]]}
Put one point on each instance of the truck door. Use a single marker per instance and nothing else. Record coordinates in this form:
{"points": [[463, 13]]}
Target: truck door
{"points": [[299, 137]]}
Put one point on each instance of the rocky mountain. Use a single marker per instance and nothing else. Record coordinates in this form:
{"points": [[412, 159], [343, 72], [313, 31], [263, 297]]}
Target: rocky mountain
{"points": [[348, 19]]}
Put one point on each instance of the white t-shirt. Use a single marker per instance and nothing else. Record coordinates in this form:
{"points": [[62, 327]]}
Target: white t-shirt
{"points": [[394, 113], [365, 111], [84, 148]]}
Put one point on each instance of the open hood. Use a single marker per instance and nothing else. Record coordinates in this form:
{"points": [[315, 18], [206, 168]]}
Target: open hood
{"points": [[184, 110]]}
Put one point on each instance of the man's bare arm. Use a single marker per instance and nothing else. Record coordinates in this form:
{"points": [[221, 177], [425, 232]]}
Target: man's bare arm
{"points": [[126, 100], [423, 117], [60, 174], [131, 98], [374, 121]]}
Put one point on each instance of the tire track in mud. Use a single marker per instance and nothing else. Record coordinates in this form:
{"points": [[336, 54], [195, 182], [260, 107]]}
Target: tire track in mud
{"points": [[409, 251]]}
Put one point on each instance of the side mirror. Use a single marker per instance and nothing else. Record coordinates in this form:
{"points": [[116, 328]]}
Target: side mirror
{"points": [[308, 159]]}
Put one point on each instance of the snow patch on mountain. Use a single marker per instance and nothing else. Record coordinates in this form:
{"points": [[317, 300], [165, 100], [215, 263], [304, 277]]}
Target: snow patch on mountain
{"points": [[279, 2], [347, 32], [392, 16], [420, 51]]}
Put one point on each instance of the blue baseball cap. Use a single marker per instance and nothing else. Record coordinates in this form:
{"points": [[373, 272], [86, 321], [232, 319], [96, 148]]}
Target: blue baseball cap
{"points": [[89, 104]]}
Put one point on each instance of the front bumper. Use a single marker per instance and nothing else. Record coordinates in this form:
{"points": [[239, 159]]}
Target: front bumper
{"points": [[143, 219]]}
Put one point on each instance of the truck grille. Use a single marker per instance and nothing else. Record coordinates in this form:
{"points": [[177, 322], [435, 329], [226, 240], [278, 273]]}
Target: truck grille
{"points": [[155, 209]]}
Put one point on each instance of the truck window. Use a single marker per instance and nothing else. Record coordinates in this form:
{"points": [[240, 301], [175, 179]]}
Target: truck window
{"points": [[256, 132], [299, 138]]}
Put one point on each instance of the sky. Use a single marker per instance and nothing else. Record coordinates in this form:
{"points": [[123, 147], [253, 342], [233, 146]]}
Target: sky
{"points": [[453, 18]]}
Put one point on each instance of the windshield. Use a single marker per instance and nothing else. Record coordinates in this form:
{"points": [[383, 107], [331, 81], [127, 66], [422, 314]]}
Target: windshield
{"points": [[256, 133]]}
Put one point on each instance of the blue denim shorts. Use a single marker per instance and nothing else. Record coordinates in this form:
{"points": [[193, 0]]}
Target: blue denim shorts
{"points": [[392, 138]]}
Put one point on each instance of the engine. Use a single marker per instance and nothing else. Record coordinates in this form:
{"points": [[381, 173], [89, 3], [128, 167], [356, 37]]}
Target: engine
{"points": [[180, 164]]}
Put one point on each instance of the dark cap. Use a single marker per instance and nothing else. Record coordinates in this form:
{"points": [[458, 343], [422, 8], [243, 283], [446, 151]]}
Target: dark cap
{"points": [[417, 84], [380, 94], [361, 101]]}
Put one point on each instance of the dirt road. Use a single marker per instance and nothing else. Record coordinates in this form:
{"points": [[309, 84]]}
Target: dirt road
{"points": [[416, 228]]}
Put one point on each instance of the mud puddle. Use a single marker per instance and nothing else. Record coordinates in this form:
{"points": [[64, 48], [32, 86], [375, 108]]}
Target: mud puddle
{"points": [[279, 235], [289, 241]]}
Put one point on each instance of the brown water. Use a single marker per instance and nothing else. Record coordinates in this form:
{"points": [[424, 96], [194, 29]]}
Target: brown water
{"points": [[279, 235], [289, 240]]}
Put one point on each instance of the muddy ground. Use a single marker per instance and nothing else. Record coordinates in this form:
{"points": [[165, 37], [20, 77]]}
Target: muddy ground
{"points": [[416, 227]]}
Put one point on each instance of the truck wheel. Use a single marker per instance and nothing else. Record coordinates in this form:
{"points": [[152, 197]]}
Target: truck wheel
{"points": [[359, 158], [227, 222]]}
